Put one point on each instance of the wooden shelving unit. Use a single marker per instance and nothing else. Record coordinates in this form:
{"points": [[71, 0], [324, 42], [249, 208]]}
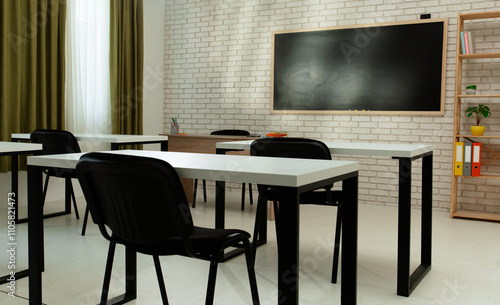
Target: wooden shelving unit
{"points": [[457, 134]]}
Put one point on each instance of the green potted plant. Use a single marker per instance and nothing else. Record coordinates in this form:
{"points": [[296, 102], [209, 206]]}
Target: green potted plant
{"points": [[470, 89], [478, 113]]}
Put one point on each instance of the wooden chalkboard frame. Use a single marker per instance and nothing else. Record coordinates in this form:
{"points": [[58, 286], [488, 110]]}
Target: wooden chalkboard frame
{"points": [[349, 49]]}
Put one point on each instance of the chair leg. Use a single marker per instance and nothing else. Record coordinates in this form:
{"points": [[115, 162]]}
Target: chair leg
{"points": [[85, 219], [243, 196], [194, 192], [211, 282], [45, 185], [336, 248], [72, 193], [161, 282], [250, 193], [251, 274], [204, 190], [276, 215], [70, 184], [260, 227], [107, 274]]}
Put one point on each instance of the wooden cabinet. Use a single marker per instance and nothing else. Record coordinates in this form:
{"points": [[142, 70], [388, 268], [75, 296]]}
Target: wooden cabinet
{"points": [[200, 144], [461, 131]]}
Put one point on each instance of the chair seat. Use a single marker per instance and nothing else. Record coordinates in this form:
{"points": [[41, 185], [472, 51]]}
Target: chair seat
{"points": [[61, 173], [316, 197], [205, 242]]}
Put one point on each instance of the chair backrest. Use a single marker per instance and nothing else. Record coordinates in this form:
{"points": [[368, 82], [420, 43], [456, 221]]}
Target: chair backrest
{"points": [[55, 141], [141, 200], [290, 148], [230, 132]]}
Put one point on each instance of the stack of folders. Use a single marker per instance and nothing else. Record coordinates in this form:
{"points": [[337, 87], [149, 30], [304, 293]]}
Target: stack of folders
{"points": [[467, 158]]}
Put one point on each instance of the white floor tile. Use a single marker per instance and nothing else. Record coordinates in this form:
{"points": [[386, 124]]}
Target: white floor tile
{"points": [[466, 261]]}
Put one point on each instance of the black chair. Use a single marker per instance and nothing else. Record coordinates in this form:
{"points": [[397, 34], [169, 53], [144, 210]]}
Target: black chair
{"points": [[295, 148], [226, 132], [142, 203], [58, 142]]}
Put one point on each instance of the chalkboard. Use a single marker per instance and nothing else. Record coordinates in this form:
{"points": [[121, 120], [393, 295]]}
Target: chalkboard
{"points": [[389, 68]]}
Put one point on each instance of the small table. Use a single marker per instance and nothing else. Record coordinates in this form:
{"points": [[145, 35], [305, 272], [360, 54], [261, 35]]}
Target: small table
{"points": [[405, 153], [13, 150], [116, 140], [292, 176]]}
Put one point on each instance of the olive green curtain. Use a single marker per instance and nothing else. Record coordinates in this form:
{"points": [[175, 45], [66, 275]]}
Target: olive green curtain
{"points": [[126, 65], [32, 65]]}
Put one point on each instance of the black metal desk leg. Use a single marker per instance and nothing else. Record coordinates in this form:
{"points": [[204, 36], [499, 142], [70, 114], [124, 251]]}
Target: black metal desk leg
{"points": [[287, 238], [349, 246], [426, 255], [404, 227], [35, 234], [14, 182], [406, 282], [14, 195]]}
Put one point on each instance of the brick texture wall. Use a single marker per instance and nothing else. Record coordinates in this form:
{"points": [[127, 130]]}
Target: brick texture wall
{"points": [[218, 75]]}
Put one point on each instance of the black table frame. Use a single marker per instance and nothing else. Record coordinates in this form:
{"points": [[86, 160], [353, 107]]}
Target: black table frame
{"points": [[288, 284], [406, 281], [14, 189], [67, 183]]}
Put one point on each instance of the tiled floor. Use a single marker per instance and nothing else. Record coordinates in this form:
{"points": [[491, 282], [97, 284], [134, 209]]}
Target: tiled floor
{"points": [[466, 262]]}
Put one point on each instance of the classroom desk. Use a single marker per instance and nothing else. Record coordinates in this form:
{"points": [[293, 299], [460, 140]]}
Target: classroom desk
{"points": [[405, 153], [116, 140], [15, 149], [293, 176]]}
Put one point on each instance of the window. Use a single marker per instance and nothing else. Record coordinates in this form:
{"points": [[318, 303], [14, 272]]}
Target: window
{"points": [[88, 107]]}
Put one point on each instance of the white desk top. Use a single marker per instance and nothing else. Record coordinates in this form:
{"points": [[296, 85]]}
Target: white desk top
{"points": [[107, 138], [354, 148], [230, 168], [12, 147]]}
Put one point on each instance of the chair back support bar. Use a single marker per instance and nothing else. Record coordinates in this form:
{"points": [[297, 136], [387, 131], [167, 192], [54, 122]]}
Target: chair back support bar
{"points": [[55, 141]]}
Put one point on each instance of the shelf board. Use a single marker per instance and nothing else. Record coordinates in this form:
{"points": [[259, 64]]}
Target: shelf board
{"points": [[479, 55], [479, 96], [481, 15], [495, 177], [471, 136], [476, 215]]}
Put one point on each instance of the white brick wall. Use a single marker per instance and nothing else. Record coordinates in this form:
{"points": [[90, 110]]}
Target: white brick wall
{"points": [[218, 75]]}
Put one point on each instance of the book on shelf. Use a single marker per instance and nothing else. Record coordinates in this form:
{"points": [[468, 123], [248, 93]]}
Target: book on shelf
{"points": [[462, 42], [470, 41], [467, 43], [466, 40]]}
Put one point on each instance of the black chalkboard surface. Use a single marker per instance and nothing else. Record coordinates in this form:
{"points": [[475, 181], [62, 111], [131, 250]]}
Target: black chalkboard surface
{"points": [[382, 68]]}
